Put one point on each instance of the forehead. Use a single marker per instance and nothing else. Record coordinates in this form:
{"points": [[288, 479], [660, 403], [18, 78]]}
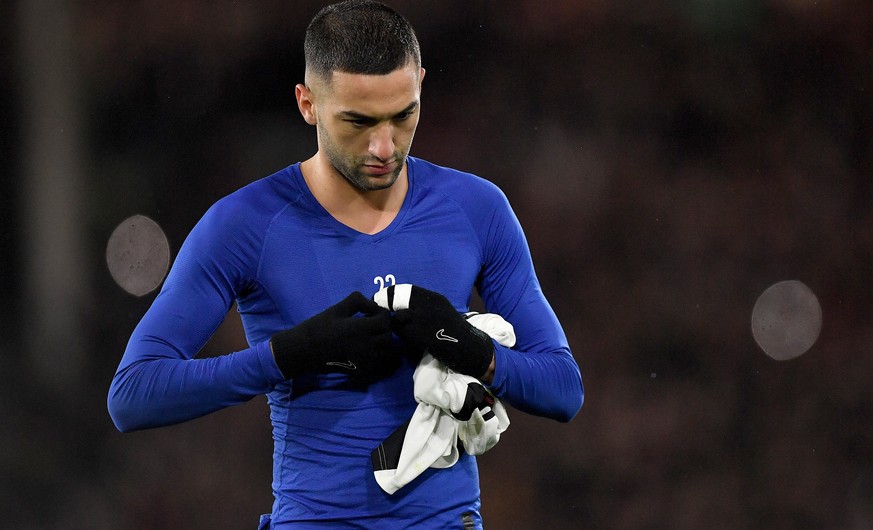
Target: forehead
{"points": [[374, 94]]}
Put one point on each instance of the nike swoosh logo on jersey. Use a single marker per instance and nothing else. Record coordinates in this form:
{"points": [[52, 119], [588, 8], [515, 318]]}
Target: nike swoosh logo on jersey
{"points": [[348, 365], [441, 335]]}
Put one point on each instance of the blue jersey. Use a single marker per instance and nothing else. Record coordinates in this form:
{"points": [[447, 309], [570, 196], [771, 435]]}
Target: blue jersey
{"points": [[273, 249]]}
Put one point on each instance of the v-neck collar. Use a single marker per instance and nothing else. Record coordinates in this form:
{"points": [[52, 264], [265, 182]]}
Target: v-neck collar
{"points": [[345, 229]]}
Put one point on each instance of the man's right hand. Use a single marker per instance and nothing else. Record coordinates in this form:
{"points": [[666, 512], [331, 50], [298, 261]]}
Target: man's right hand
{"points": [[351, 337]]}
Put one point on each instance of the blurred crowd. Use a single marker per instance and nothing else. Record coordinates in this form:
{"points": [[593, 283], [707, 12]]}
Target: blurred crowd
{"points": [[669, 162]]}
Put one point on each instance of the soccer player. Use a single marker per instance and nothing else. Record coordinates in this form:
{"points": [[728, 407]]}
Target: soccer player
{"points": [[304, 250]]}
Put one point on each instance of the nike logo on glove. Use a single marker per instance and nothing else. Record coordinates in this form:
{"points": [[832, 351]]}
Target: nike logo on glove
{"points": [[348, 365], [441, 335]]}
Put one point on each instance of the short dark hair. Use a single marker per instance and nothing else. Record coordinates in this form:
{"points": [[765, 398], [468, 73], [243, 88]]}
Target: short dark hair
{"points": [[359, 37]]}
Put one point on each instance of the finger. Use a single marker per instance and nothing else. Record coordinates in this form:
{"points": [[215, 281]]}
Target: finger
{"points": [[352, 304], [375, 324], [419, 296], [379, 322], [369, 307], [401, 319]]}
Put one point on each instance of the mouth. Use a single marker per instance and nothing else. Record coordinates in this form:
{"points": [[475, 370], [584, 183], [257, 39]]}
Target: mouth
{"points": [[378, 170]]}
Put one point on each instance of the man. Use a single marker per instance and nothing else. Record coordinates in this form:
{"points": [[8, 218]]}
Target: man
{"points": [[303, 251]]}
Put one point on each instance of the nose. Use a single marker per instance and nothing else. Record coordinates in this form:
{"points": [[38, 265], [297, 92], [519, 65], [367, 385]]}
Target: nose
{"points": [[382, 141]]}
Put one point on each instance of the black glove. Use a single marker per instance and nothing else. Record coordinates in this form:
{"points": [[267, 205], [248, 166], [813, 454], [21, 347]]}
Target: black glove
{"points": [[431, 323], [338, 340]]}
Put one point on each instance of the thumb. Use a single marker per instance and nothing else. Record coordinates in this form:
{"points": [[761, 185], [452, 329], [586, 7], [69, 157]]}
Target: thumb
{"points": [[401, 319], [352, 304], [429, 301]]}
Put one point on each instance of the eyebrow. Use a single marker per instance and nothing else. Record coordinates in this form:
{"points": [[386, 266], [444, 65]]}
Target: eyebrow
{"points": [[350, 114]]}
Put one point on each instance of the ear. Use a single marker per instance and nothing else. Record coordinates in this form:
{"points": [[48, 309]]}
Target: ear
{"points": [[420, 78], [306, 103]]}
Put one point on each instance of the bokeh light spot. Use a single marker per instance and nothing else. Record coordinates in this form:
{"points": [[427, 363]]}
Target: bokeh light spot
{"points": [[786, 320], [138, 255]]}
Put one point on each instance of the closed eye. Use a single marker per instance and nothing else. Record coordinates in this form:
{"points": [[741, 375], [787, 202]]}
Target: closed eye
{"points": [[407, 112], [361, 122]]}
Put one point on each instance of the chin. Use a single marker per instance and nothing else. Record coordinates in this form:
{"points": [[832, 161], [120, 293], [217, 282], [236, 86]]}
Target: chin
{"points": [[371, 183], [381, 185]]}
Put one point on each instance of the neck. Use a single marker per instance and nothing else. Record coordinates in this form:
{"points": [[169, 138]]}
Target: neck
{"points": [[367, 211]]}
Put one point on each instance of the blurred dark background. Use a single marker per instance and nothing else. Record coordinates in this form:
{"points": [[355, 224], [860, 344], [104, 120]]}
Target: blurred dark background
{"points": [[670, 160]]}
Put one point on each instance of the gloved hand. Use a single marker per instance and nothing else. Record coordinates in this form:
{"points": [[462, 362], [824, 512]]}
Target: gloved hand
{"points": [[429, 322], [338, 340]]}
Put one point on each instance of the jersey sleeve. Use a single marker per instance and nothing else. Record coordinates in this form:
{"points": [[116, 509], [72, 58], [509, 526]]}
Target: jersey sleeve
{"points": [[159, 382], [539, 375]]}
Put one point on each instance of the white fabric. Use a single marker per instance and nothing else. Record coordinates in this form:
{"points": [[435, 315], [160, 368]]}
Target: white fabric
{"points": [[399, 299], [494, 325], [433, 432]]}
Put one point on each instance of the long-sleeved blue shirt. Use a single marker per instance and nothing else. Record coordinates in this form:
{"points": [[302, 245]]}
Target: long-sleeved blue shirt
{"points": [[273, 249]]}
